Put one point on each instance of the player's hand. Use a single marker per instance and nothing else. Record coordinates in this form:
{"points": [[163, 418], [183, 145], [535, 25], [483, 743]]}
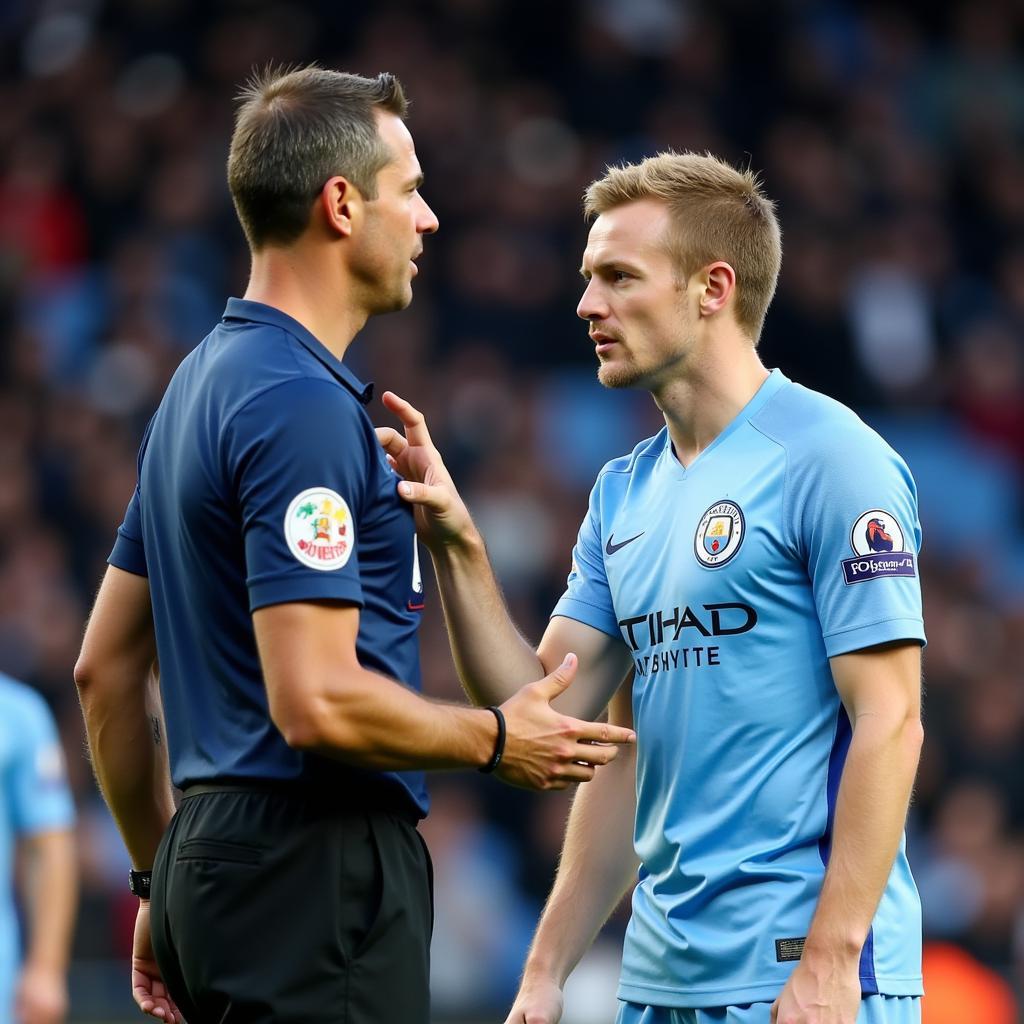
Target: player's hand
{"points": [[545, 749], [441, 515], [539, 1001], [148, 989], [41, 996], [819, 995]]}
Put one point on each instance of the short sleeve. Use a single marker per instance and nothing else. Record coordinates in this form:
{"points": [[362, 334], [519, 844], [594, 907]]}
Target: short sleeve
{"points": [[856, 512], [40, 798], [129, 552], [300, 456], [587, 598]]}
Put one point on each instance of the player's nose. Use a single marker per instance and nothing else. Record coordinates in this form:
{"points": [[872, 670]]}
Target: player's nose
{"points": [[591, 305]]}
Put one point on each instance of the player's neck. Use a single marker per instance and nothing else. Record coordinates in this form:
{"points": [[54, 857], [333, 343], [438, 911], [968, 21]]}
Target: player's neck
{"points": [[701, 402], [299, 284]]}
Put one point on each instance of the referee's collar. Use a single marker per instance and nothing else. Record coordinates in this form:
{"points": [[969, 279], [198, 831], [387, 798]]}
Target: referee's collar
{"points": [[261, 313]]}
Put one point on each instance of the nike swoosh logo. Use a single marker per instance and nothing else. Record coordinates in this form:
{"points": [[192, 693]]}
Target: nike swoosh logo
{"points": [[610, 548]]}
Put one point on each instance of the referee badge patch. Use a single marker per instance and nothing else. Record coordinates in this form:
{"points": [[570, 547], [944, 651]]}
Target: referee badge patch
{"points": [[719, 534], [878, 541], [318, 529]]}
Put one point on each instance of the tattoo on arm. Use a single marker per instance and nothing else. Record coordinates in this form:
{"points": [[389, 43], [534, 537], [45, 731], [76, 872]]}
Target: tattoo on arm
{"points": [[155, 722]]}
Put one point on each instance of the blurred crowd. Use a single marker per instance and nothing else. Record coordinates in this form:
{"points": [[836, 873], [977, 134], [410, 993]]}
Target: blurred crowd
{"points": [[892, 136]]}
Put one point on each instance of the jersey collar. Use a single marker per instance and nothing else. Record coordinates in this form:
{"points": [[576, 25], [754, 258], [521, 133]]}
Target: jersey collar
{"points": [[775, 381], [260, 313]]}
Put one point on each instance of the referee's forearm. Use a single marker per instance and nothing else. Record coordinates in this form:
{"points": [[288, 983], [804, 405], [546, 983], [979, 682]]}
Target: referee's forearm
{"points": [[491, 656], [368, 720], [126, 743]]}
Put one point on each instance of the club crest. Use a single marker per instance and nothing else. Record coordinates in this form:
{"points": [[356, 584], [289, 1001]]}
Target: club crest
{"points": [[719, 534]]}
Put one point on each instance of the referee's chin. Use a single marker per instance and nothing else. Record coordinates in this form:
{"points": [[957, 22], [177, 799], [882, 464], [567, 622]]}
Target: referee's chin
{"points": [[395, 302]]}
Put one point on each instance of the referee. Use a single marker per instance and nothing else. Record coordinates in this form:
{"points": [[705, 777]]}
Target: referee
{"points": [[263, 595]]}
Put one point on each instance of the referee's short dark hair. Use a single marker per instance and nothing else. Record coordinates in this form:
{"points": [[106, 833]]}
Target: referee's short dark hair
{"points": [[294, 130]]}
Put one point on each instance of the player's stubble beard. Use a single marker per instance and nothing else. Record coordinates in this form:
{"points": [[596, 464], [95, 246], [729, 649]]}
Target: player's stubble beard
{"points": [[626, 372]]}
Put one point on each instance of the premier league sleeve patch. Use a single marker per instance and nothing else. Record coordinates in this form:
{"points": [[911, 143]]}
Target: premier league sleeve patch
{"points": [[878, 541], [319, 530]]}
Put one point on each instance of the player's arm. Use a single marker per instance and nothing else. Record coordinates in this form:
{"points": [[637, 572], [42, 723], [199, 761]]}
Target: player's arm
{"points": [[881, 691], [323, 700], [116, 680], [49, 896], [593, 874], [491, 656]]}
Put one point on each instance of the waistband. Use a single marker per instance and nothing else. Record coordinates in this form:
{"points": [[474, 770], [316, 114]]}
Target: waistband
{"points": [[380, 800]]}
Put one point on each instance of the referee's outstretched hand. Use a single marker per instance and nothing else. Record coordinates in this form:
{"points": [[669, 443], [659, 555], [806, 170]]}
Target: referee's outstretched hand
{"points": [[545, 749]]}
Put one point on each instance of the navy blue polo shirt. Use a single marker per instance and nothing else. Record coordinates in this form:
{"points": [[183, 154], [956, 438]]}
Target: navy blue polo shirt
{"points": [[261, 482]]}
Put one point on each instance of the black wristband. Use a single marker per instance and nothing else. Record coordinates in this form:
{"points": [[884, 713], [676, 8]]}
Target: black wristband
{"points": [[139, 883], [499, 743]]}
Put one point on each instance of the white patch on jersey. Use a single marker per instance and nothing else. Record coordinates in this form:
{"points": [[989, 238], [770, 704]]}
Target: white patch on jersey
{"points": [[719, 535], [50, 765], [417, 576], [875, 532], [319, 529]]}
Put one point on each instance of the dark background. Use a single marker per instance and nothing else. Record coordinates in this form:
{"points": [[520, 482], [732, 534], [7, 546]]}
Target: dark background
{"points": [[891, 136]]}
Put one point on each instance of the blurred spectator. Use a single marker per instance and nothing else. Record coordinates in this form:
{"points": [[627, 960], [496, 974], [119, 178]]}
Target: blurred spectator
{"points": [[959, 989]]}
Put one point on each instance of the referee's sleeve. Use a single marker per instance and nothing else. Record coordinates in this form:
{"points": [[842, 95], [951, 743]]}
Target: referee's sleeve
{"points": [[129, 552], [299, 458]]}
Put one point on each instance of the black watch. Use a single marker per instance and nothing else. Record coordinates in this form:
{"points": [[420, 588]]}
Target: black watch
{"points": [[139, 883]]}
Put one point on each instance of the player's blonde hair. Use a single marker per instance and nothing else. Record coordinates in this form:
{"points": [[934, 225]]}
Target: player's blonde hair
{"points": [[718, 213]]}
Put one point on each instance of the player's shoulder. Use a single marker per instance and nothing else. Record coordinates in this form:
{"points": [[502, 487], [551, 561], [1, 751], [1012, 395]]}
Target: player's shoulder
{"points": [[813, 428], [22, 706], [641, 459]]}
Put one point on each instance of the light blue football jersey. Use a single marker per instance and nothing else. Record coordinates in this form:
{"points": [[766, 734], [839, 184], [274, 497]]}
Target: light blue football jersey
{"points": [[792, 538], [34, 797]]}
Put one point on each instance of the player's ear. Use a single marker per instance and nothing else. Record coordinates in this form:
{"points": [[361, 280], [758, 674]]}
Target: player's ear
{"points": [[342, 205], [719, 280]]}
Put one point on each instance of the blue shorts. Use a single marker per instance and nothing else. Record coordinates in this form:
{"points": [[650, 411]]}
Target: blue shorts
{"points": [[873, 1010]]}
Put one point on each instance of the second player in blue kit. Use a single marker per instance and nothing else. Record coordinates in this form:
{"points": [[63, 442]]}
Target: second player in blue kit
{"points": [[744, 589]]}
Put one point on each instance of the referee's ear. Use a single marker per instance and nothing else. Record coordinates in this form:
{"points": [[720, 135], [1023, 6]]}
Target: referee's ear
{"points": [[342, 206]]}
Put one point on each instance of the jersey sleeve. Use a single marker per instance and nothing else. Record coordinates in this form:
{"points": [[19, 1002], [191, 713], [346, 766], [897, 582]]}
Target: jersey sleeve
{"points": [[587, 597], [300, 456], [856, 513], [40, 798], [129, 552]]}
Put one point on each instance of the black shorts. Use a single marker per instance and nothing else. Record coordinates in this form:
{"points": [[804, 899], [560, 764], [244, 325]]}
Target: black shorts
{"points": [[273, 906]]}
